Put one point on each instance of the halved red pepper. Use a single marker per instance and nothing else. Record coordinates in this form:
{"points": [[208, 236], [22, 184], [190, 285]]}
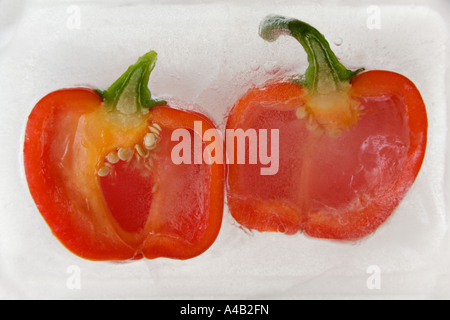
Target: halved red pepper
{"points": [[351, 144], [99, 167]]}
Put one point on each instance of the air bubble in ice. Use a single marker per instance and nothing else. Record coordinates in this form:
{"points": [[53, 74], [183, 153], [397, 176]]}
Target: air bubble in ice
{"points": [[338, 41]]}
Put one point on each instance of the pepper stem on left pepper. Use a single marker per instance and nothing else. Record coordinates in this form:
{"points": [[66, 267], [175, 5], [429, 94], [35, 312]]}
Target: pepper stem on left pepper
{"points": [[130, 93]]}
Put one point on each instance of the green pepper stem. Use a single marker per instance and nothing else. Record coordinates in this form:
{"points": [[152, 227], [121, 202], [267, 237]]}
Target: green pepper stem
{"points": [[130, 93], [325, 73]]}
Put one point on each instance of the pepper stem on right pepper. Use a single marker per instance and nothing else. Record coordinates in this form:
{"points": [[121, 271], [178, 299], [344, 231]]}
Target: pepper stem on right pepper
{"points": [[327, 81], [324, 69]]}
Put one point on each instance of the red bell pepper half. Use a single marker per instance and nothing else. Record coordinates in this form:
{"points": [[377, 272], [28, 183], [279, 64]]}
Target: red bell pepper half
{"points": [[351, 144], [98, 166]]}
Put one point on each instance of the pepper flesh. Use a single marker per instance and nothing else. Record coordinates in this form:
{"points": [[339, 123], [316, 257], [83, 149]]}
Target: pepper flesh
{"points": [[351, 145]]}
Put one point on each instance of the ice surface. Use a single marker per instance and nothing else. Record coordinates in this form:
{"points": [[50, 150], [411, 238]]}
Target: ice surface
{"points": [[209, 55]]}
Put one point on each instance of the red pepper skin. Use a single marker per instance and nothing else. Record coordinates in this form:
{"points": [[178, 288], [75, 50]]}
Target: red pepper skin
{"points": [[70, 132], [46, 187], [328, 185], [260, 213], [367, 219]]}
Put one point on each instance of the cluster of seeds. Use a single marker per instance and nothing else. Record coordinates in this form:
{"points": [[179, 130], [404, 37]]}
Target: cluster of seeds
{"points": [[150, 142]]}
